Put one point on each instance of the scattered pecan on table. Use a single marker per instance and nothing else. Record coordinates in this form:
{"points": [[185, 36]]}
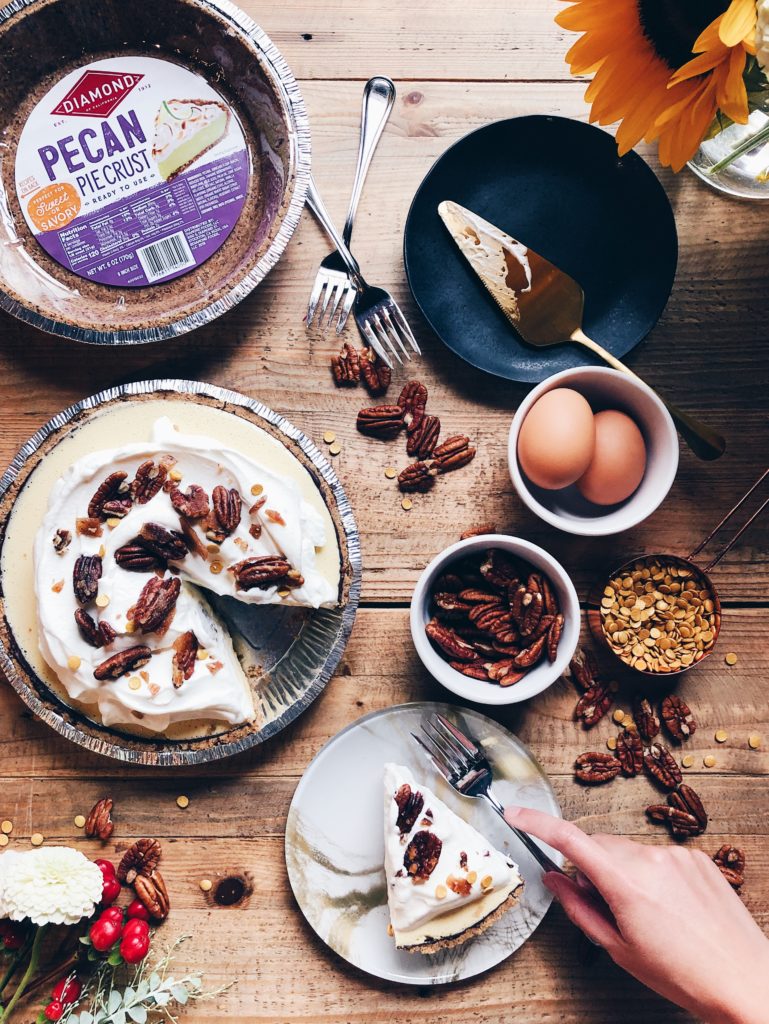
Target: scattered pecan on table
{"points": [[662, 766], [594, 768], [141, 858], [382, 421], [416, 477], [99, 821], [375, 373], [346, 366], [678, 718], [152, 893], [646, 721], [730, 861]]}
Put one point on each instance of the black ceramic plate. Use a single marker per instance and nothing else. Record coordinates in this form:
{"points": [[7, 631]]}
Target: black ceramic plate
{"points": [[558, 186]]}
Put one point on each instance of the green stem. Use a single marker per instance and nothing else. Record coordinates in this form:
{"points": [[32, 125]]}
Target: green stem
{"points": [[34, 959], [745, 146], [16, 960]]}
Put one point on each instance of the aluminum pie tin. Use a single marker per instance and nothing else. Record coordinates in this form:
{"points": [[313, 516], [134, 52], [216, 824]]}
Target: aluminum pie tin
{"points": [[299, 649], [40, 41]]}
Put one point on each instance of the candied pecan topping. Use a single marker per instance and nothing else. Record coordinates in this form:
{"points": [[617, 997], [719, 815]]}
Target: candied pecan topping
{"points": [[730, 861], [99, 821], [139, 859], [410, 806], [454, 453], [61, 541], [149, 479], [117, 509], [421, 856], [678, 718], [185, 655], [423, 439], [170, 545], [646, 721], [460, 886], [97, 634], [88, 527], [152, 893], [85, 577], [156, 602], [134, 557], [265, 571], [463, 859], [346, 366], [193, 504], [662, 766], [449, 641], [227, 505], [376, 374], [595, 768], [124, 661], [593, 705], [416, 477], [630, 752], [110, 490], [382, 421], [413, 401]]}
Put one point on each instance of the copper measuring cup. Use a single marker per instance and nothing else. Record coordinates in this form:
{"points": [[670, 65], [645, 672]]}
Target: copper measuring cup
{"points": [[700, 575]]}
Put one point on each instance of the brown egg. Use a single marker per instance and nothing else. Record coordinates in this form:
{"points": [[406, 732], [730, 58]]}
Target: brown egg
{"points": [[556, 439], [619, 459]]}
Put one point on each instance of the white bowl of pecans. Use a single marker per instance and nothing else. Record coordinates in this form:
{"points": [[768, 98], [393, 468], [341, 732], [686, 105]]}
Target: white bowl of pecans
{"points": [[495, 619]]}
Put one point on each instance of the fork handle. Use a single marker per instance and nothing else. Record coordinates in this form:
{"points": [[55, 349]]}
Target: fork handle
{"points": [[706, 443], [378, 99], [318, 207], [539, 855]]}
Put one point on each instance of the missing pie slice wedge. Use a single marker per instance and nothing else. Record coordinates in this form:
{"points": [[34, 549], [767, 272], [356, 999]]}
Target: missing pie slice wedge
{"points": [[445, 882]]}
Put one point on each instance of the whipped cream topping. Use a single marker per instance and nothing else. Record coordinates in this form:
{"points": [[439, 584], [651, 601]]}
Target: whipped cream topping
{"points": [[465, 856], [217, 690]]}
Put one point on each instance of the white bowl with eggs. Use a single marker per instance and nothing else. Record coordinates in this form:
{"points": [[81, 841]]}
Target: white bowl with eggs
{"points": [[597, 456], [536, 679]]}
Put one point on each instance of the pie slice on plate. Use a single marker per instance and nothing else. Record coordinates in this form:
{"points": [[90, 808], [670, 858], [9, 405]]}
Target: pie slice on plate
{"points": [[445, 882], [184, 131]]}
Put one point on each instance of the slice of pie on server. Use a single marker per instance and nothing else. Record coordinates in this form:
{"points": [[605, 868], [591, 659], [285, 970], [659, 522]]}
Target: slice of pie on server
{"points": [[445, 882]]}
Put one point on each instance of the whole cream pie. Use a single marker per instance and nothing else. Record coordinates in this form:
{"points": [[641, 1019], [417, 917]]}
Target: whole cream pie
{"points": [[132, 538], [445, 882]]}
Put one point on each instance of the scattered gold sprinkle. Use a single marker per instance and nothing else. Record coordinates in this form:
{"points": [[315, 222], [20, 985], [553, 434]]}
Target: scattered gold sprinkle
{"points": [[112, 522], [202, 654], [721, 736], [627, 721], [79, 820], [130, 626], [335, 448], [102, 551], [175, 475], [440, 892], [709, 761], [134, 683], [257, 489], [58, 586], [611, 743], [472, 876], [619, 715], [37, 839], [329, 437], [212, 549], [731, 658], [206, 884], [406, 504], [390, 930], [7, 827], [4, 840], [687, 761], [215, 567], [391, 472], [486, 881], [283, 593], [102, 601], [183, 801], [73, 662], [754, 741]]}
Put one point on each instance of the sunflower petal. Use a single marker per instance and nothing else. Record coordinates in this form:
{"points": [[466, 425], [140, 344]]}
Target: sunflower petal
{"points": [[738, 22]]}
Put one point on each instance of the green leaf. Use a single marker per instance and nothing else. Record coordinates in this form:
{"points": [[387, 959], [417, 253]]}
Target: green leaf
{"points": [[180, 994], [162, 998], [115, 959], [85, 940], [138, 1014]]}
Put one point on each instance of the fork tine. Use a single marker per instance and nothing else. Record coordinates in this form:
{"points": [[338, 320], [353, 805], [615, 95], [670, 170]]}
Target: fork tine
{"points": [[434, 757], [348, 304], [384, 340], [400, 319], [391, 328], [451, 742], [312, 305], [330, 287], [470, 749], [336, 298], [448, 752], [373, 341]]}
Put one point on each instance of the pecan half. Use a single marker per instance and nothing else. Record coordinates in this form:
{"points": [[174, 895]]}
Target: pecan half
{"points": [[149, 478], [449, 581], [476, 595], [491, 618], [382, 421], [682, 824], [421, 856], [151, 892], [532, 606], [662, 766], [122, 662], [730, 861], [265, 571], [472, 669], [511, 677], [554, 637], [413, 401], [410, 806], [61, 541], [141, 858], [451, 605], [478, 531], [686, 799], [376, 374], [227, 505], [531, 655], [646, 721], [110, 490], [454, 453], [593, 705], [86, 574], [549, 596], [422, 441], [630, 752], [677, 717], [117, 509], [499, 569], [99, 821], [193, 504], [97, 634], [583, 668], [185, 655], [416, 477], [595, 768], [170, 545], [156, 602], [449, 641], [135, 557], [346, 366]]}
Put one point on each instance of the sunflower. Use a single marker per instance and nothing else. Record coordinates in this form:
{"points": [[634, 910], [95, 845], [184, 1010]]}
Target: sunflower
{"points": [[663, 68]]}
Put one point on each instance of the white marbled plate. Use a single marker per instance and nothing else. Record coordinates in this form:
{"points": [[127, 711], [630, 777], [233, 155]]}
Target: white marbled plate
{"points": [[335, 844]]}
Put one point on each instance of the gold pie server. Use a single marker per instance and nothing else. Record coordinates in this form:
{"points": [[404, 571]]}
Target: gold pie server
{"points": [[545, 305]]}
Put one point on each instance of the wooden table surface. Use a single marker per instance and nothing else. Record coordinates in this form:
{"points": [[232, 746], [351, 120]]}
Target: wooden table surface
{"points": [[456, 67]]}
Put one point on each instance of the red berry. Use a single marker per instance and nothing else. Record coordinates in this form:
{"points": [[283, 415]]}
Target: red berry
{"points": [[136, 926], [136, 909], [68, 989], [110, 890], [106, 931], [135, 943], [54, 1010], [111, 914], [106, 867]]}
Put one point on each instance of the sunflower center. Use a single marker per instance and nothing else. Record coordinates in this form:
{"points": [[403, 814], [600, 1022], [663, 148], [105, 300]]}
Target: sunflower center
{"points": [[672, 26]]}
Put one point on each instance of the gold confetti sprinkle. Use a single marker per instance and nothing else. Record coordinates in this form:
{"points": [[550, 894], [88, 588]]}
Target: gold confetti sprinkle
{"points": [[611, 743], [215, 567], [391, 472], [721, 736], [130, 626], [202, 654], [257, 489], [731, 658], [628, 722], [206, 884], [112, 522], [7, 827], [134, 683], [102, 601], [687, 761], [73, 662], [4, 840], [183, 801], [102, 551], [440, 892], [335, 448], [486, 881], [37, 839], [58, 587], [472, 876], [407, 504], [329, 437], [390, 930], [175, 475], [619, 715], [754, 741], [283, 593], [212, 549], [709, 761], [79, 820]]}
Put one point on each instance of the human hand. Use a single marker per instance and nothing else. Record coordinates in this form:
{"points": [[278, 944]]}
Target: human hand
{"points": [[663, 913]]}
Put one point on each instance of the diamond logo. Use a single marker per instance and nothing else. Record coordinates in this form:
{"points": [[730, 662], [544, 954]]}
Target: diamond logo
{"points": [[97, 94]]}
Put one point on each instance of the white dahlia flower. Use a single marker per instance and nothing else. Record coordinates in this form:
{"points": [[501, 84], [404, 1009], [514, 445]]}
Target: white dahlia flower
{"points": [[51, 885]]}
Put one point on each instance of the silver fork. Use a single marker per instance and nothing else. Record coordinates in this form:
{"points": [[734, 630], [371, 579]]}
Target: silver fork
{"points": [[377, 314], [465, 767], [332, 282]]}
